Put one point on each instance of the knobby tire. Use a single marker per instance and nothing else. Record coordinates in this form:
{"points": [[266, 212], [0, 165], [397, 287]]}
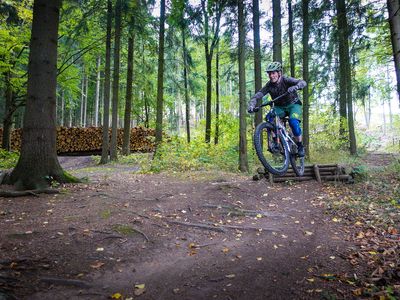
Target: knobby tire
{"points": [[258, 144]]}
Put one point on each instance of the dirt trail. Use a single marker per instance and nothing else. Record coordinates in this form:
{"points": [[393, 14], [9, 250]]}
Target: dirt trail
{"points": [[102, 238]]}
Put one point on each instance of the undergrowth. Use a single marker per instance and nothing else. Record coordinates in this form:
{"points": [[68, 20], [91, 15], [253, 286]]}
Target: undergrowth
{"points": [[8, 160]]}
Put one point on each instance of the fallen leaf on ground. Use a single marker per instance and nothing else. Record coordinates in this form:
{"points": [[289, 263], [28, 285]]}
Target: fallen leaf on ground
{"points": [[116, 296], [97, 265], [139, 289]]}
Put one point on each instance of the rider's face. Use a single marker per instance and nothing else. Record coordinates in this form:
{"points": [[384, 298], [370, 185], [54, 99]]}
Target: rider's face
{"points": [[273, 76]]}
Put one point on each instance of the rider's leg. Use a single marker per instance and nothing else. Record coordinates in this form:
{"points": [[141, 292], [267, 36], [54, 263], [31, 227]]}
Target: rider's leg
{"points": [[274, 147], [295, 112]]}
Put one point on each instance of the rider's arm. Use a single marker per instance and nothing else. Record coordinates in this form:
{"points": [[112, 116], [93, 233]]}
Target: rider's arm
{"points": [[298, 83], [261, 93]]}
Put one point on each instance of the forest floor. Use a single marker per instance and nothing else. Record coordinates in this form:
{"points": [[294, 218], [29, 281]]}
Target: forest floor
{"points": [[198, 235]]}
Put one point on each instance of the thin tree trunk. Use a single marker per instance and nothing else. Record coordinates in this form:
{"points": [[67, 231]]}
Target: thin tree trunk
{"points": [[82, 100], [106, 93], [70, 117], [394, 22], [38, 165], [86, 79], [243, 163], [128, 103], [291, 44], [352, 133], [115, 99], [277, 31], [216, 137], [185, 79], [389, 98], [343, 62], [383, 116], [306, 102], [209, 49], [160, 75], [97, 98], [257, 58], [62, 108], [8, 113]]}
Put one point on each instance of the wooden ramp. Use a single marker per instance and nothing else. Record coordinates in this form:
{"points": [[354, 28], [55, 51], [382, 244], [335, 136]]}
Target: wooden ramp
{"points": [[320, 173]]}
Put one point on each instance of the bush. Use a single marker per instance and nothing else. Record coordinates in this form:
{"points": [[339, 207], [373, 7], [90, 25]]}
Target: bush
{"points": [[8, 160]]}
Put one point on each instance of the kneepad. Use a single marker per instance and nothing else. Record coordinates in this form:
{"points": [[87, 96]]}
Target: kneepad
{"points": [[295, 125]]}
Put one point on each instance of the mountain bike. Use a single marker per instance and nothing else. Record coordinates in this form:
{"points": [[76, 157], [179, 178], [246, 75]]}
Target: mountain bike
{"points": [[276, 154]]}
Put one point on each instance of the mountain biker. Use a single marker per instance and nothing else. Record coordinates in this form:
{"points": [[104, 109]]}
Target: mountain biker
{"points": [[289, 105]]}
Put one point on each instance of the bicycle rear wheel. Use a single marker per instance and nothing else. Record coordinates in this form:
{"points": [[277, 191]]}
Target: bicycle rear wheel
{"points": [[276, 162]]}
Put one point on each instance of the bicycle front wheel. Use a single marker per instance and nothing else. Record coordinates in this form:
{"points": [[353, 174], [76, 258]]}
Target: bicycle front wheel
{"points": [[274, 159], [297, 164]]}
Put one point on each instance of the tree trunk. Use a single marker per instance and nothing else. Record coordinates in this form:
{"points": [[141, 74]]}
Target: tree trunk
{"points": [[277, 31], [82, 99], [115, 99], [160, 75], [343, 62], [208, 96], [85, 102], [97, 98], [383, 117], [128, 99], [38, 165], [306, 101], [350, 117], [394, 22], [257, 58], [106, 93], [185, 80], [216, 137], [209, 49], [8, 112], [62, 121], [243, 163], [291, 44]]}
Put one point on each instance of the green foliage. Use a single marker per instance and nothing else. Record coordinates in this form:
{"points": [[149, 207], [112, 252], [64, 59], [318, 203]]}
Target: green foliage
{"points": [[178, 155], [8, 160]]}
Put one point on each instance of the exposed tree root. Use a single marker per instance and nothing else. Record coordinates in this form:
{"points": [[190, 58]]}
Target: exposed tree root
{"points": [[67, 282], [14, 194], [221, 228], [198, 225], [236, 211]]}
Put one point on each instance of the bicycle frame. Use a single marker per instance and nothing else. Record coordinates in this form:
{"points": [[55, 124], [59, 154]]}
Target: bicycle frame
{"points": [[280, 125]]}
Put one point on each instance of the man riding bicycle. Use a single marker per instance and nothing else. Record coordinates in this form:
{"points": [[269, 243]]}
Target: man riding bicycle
{"points": [[289, 105]]}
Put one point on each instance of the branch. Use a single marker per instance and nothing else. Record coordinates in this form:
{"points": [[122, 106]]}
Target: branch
{"points": [[80, 53]]}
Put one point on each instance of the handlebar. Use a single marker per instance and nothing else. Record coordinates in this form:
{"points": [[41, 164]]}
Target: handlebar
{"points": [[270, 102]]}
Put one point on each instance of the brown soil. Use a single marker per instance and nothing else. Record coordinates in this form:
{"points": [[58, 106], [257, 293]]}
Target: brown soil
{"points": [[95, 240]]}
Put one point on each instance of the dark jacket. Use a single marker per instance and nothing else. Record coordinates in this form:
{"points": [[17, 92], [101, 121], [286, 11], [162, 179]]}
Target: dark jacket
{"points": [[280, 88]]}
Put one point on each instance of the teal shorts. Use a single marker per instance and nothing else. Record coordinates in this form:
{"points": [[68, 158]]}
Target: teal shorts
{"points": [[294, 111]]}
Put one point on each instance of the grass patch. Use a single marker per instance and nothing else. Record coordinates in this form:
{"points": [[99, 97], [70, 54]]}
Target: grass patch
{"points": [[123, 229], [106, 214]]}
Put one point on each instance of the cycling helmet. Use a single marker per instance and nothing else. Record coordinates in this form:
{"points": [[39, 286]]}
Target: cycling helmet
{"points": [[274, 66]]}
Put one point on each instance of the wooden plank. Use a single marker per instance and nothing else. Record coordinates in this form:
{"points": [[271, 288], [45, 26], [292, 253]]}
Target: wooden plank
{"points": [[316, 173]]}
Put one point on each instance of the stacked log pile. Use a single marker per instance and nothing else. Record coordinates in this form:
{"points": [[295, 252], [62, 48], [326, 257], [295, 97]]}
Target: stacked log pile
{"points": [[328, 172], [89, 139]]}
